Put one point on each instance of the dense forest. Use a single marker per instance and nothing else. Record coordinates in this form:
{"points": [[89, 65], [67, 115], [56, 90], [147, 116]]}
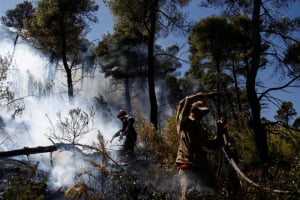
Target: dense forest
{"points": [[227, 54]]}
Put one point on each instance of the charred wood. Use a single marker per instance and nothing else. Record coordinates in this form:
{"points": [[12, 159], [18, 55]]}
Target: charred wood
{"points": [[28, 151]]}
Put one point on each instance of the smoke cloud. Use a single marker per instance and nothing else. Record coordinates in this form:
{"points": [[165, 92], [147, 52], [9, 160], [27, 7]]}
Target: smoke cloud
{"points": [[40, 88]]}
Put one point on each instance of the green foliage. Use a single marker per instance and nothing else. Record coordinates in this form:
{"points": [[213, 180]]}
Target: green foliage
{"points": [[296, 123], [284, 143], [120, 59], [58, 28], [286, 176], [244, 144], [286, 112], [124, 59], [186, 86], [174, 93], [170, 137], [149, 18], [248, 47], [282, 173], [159, 145], [280, 180], [129, 13], [292, 57], [15, 17], [59, 25], [149, 139]]}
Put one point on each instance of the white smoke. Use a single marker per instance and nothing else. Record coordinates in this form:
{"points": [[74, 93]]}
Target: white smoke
{"points": [[28, 75]]}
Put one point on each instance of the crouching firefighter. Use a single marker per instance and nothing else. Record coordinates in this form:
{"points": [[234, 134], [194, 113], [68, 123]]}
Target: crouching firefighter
{"points": [[128, 131]]}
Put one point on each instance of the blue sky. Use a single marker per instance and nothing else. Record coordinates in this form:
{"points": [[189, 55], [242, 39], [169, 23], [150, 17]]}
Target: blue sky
{"points": [[105, 25]]}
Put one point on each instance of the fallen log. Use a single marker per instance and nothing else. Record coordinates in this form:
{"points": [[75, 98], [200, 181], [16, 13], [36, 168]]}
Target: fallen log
{"points": [[27, 151]]}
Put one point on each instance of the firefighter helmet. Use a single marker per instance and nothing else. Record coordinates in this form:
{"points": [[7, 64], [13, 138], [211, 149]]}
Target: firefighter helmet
{"points": [[121, 113]]}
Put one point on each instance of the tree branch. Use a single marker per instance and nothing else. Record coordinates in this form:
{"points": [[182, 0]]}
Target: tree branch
{"points": [[27, 151], [279, 88]]}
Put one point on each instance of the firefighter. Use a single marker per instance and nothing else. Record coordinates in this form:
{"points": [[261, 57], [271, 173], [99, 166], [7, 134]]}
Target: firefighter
{"points": [[128, 131], [193, 166]]}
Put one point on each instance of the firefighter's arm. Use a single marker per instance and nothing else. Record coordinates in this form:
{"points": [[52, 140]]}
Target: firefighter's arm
{"points": [[118, 133], [184, 106]]}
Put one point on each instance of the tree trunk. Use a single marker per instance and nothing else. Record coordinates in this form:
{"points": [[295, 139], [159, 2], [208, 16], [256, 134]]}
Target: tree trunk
{"points": [[67, 68], [218, 86], [258, 128], [151, 84], [127, 96], [69, 76]]}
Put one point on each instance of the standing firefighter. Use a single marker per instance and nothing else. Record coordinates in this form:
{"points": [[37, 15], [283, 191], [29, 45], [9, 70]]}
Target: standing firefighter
{"points": [[128, 131], [195, 175]]}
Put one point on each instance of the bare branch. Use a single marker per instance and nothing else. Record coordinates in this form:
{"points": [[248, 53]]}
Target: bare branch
{"points": [[280, 87]]}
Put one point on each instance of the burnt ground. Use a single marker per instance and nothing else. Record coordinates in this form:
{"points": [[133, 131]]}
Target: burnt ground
{"points": [[16, 173], [148, 178], [151, 178]]}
